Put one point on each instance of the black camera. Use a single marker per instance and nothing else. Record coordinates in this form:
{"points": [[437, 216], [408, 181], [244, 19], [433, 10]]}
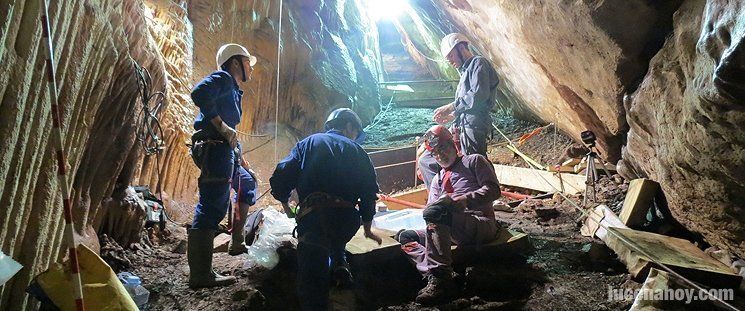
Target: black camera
{"points": [[588, 137]]}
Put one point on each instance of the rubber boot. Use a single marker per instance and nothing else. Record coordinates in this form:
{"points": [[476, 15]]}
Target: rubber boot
{"points": [[237, 237], [341, 275], [199, 255]]}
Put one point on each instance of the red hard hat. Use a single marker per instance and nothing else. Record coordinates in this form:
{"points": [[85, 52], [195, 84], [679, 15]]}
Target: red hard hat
{"points": [[437, 136]]}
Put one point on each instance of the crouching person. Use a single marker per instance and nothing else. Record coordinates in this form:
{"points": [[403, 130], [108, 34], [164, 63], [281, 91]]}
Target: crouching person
{"points": [[332, 175], [459, 210]]}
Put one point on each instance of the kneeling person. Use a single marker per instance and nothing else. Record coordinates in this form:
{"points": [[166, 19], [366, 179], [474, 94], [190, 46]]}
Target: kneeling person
{"points": [[459, 209]]}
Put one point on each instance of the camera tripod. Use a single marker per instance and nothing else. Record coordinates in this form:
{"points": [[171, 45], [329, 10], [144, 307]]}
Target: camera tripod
{"points": [[591, 174]]}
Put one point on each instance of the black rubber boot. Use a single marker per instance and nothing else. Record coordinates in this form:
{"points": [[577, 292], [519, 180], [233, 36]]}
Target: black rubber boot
{"points": [[199, 255]]}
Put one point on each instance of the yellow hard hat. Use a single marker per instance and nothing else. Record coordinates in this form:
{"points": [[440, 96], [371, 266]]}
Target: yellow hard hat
{"points": [[449, 42], [231, 49]]}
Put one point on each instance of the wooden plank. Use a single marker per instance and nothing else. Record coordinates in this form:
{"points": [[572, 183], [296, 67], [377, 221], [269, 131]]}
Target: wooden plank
{"points": [[509, 242], [360, 245], [579, 168], [599, 220], [418, 196], [638, 199], [678, 254], [392, 156], [529, 179], [396, 177], [563, 169]]}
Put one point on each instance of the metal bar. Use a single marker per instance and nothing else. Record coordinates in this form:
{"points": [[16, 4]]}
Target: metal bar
{"points": [[57, 142]]}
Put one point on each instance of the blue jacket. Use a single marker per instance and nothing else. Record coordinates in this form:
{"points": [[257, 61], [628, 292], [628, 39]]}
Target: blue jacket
{"points": [[330, 163], [217, 94]]}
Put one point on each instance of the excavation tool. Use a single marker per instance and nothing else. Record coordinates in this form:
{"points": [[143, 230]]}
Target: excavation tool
{"points": [[57, 141], [591, 174]]}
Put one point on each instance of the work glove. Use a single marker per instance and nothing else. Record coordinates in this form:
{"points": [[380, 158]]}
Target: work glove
{"points": [[230, 134]]}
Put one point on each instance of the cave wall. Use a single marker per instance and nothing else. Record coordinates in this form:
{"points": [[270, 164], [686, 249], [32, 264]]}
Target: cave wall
{"points": [[95, 43], [687, 122], [325, 64], [568, 62], [659, 82]]}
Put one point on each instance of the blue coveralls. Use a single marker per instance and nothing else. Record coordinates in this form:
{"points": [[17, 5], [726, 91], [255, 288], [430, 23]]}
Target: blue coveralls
{"points": [[333, 164], [475, 96], [219, 95]]}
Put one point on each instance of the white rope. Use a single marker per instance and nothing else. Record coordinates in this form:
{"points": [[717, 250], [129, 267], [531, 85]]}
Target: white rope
{"points": [[621, 237], [276, 108]]}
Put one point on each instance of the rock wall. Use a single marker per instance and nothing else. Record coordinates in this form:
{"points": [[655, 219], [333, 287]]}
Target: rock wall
{"points": [[568, 62], [687, 122], [324, 65], [577, 64], [95, 45]]}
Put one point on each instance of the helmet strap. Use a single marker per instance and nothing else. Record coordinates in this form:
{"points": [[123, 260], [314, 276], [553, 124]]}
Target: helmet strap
{"points": [[460, 55]]}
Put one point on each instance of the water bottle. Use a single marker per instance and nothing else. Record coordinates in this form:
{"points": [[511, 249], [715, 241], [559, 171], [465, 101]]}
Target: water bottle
{"points": [[134, 287]]}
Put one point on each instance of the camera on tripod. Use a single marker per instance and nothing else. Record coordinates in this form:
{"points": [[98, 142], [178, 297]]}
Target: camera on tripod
{"points": [[588, 137]]}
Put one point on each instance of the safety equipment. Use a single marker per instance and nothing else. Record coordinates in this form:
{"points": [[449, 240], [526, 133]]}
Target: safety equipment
{"points": [[437, 136], [449, 42], [231, 49], [339, 118], [199, 255]]}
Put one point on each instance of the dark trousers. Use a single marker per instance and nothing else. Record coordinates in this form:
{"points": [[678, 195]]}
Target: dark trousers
{"points": [[322, 237], [214, 186]]}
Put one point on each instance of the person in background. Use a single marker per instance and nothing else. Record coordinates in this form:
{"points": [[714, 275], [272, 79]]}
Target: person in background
{"points": [[474, 99], [332, 175]]}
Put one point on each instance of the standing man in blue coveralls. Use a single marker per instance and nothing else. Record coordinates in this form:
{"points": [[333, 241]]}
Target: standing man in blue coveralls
{"points": [[216, 151], [332, 174], [474, 98]]}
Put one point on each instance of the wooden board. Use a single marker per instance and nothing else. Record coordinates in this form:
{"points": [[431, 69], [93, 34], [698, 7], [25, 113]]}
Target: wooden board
{"points": [[579, 168], [508, 243], [418, 196], [360, 245], [396, 177], [638, 199], [678, 254], [600, 218], [529, 179], [392, 156]]}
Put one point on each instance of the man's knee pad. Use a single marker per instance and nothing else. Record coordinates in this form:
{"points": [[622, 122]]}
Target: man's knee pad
{"points": [[408, 236], [438, 214]]}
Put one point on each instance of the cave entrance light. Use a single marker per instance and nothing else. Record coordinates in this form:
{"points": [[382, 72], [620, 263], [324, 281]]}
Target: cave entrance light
{"points": [[387, 9]]}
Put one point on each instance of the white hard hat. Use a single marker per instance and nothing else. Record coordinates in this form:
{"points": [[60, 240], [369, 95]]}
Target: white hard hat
{"points": [[450, 41], [231, 49]]}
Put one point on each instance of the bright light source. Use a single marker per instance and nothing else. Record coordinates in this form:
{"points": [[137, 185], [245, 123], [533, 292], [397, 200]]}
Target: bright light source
{"points": [[387, 9]]}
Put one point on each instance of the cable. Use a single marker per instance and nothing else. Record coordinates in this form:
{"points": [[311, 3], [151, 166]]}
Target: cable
{"points": [[149, 130], [623, 238], [276, 109]]}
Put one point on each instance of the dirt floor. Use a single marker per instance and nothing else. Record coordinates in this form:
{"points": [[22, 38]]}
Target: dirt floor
{"points": [[564, 270]]}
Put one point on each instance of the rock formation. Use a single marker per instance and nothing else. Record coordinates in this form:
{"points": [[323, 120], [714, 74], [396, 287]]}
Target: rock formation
{"points": [[325, 65]]}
